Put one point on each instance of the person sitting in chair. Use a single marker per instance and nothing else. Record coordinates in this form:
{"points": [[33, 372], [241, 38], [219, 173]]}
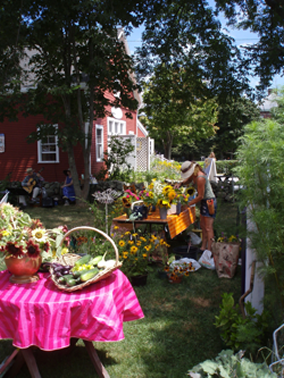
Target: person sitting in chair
{"points": [[32, 184], [68, 188]]}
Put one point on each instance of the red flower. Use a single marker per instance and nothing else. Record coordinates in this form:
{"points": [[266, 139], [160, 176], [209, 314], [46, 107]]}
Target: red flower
{"points": [[14, 249], [33, 249]]}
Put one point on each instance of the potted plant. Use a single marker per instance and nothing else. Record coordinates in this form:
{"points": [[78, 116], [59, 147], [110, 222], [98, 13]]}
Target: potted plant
{"points": [[25, 243], [135, 250], [176, 270]]}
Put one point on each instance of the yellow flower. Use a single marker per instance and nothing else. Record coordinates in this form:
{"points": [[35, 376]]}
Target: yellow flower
{"points": [[131, 242], [134, 249], [166, 189], [171, 195], [64, 251], [121, 243], [144, 255], [125, 255], [6, 233]]}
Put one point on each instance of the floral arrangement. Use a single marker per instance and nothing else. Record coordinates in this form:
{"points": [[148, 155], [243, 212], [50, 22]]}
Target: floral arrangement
{"points": [[22, 236], [128, 198], [231, 239], [135, 250], [177, 270], [149, 195]]}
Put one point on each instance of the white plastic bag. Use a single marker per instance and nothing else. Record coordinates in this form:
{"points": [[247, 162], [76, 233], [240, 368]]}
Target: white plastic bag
{"points": [[195, 239], [180, 262], [207, 260]]}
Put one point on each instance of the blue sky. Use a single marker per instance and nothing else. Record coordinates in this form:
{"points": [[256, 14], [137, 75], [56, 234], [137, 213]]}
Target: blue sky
{"points": [[241, 37]]}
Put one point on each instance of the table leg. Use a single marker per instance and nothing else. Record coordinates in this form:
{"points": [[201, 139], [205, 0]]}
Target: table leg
{"points": [[31, 362], [101, 371]]}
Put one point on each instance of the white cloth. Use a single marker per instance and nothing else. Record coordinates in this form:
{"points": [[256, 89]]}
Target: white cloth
{"points": [[210, 169]]}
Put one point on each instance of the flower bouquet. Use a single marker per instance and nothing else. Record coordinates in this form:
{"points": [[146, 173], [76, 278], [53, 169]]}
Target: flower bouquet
{"points": [[127, 199], [24, 242], [176, 270]]}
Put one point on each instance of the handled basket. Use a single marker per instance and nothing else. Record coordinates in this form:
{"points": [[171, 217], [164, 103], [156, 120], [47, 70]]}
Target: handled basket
{"points": [[71, 258]]}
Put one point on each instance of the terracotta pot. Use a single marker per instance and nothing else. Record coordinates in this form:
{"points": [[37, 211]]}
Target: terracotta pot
{"points": [[23, 270], [175, 280]]}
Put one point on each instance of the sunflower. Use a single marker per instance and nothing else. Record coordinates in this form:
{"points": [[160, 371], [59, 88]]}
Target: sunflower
{"points": [[14, 249], [171, 195], [121, 243], [166, 190], [33, 249], [40, 235], [190, 191]]}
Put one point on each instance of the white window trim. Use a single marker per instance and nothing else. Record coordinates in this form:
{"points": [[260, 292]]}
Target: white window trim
{"points": [[110, 119], [99, 159], [39, 145]]}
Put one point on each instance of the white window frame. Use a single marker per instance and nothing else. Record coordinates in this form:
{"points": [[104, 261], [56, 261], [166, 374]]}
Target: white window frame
{"points": [[113, 122], [41, 152], [99, 158]]}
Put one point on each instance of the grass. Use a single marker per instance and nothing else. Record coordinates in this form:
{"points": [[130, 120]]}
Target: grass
{"points": [[176, 333]]}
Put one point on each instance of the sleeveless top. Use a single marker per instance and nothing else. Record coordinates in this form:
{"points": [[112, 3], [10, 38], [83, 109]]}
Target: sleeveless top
{"points": [[208, 189]]}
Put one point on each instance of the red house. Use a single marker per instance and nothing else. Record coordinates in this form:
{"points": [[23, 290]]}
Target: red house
{"points": [[16, 155]]}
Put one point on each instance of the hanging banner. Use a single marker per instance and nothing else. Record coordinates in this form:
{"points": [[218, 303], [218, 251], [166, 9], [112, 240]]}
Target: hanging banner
{"points": [[2, 143]]}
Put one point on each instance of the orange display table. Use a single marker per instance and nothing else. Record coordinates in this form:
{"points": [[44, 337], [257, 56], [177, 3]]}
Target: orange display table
{"points": [[176, 223]]}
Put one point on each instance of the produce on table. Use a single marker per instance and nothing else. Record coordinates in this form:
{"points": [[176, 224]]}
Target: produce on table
{"points": [[83, 270]]}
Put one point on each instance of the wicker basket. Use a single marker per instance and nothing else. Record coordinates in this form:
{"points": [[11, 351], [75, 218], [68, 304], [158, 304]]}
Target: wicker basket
{"points": [[71, 258]]}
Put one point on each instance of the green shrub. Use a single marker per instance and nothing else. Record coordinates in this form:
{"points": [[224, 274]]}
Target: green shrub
{"points": [[247, 333], [226, 364]]}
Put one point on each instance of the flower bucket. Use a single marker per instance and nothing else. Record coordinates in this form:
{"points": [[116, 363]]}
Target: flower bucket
{"points": [[163, 212]]}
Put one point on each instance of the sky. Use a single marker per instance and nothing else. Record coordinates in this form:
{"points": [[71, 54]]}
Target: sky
{"points": [[240, 36]]}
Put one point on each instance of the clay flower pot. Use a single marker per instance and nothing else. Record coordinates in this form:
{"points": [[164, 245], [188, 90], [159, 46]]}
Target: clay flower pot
{"points": [[24, 269]]}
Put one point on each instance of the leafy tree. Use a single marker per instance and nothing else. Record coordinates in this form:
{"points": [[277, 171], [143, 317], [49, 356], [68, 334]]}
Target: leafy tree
{"points": [[188, 34], [172, 114], [12, 42], [266, 19], [77, 60]]}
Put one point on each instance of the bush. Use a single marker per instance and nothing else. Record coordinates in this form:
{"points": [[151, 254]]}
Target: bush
{"points": [[226, 364]]}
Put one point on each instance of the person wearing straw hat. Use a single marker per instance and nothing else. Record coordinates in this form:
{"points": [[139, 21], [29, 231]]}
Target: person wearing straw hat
{"points": [[193, 172]]}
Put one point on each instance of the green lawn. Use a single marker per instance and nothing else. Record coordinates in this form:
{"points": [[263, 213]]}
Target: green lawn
{"points": [[176, 333]]}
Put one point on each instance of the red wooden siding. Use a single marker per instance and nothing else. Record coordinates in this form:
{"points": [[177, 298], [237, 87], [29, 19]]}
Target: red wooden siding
{"points": [[19, 155]]}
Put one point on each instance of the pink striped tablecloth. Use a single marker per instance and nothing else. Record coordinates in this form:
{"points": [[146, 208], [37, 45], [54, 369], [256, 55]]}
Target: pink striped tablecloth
{"points": [[39, 314]]}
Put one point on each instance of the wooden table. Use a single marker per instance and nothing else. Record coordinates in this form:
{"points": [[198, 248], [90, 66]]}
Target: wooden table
{"points": [[176, 223], [40, 316]]}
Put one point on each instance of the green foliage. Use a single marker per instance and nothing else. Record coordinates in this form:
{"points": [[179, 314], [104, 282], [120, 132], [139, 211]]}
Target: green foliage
{"points": [[265, 19], [241, 333], [116, 159], [172, 112], [230, 365], [261, 173]]}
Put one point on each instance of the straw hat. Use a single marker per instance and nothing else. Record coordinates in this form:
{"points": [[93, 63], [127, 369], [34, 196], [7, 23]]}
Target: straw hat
{"points": [[187, 169], [29, 170]]}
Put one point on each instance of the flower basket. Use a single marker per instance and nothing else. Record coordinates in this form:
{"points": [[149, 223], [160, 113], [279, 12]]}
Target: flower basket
{"points": [[71, 258]]}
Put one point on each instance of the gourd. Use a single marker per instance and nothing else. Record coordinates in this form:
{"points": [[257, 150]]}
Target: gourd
{"points": [[106, 263]]}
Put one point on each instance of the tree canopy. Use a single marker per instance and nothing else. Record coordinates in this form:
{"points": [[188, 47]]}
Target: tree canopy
{"points": [[75, 57]]}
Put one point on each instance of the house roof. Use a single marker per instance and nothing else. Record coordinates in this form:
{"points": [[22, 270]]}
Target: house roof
{"points": [[268, 102]]}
